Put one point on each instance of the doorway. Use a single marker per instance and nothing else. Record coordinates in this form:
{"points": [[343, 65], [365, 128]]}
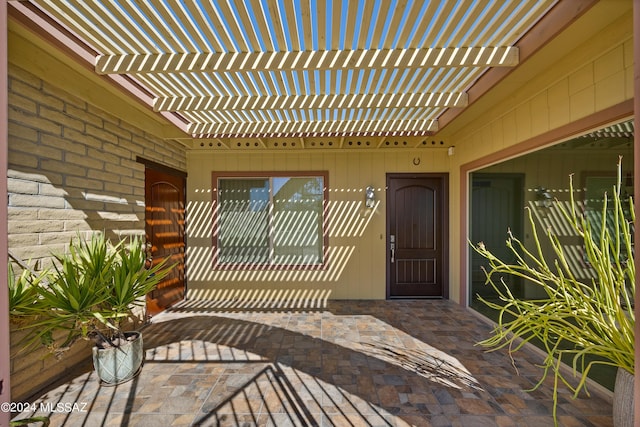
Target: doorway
{"points": [[165, 232], [417, 233], [496, 207]]}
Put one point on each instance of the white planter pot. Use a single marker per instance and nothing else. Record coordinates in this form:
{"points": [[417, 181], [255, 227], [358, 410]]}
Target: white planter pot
{"points": [[116, 365], [623, 399]]}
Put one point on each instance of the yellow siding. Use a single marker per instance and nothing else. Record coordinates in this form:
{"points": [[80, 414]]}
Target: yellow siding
{"points": [[356, 266], [585, 70]]}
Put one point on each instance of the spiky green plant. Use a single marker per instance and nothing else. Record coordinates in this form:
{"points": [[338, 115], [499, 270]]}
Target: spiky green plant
{"points": [[94, 287], [577, 319], [23, 292]]}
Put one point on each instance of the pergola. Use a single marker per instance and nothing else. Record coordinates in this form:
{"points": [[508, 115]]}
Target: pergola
{"points": [[239, 73], [234, 74]]}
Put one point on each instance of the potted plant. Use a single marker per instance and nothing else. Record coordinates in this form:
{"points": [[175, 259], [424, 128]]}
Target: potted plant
{"points": [[584, 322], [93, 291]]}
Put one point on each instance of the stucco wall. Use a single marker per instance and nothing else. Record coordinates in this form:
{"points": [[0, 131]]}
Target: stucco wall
{"points": [[72, 169], [356, 252]]}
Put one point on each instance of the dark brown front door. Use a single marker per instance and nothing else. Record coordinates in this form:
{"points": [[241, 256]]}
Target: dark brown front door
{"points": [[164, 198], [417, 228]]}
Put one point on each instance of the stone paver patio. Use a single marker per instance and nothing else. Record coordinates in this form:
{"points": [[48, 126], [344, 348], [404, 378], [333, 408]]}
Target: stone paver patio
{"points": [[351, 363]]}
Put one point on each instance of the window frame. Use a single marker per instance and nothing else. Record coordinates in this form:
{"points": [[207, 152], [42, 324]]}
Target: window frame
{"points": [[217, 175]]}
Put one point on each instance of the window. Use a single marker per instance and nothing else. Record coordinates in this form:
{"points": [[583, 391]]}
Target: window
{"points": [[274, 220]]}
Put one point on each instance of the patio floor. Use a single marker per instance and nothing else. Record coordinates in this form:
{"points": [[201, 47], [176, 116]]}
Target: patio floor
{"points": [[351, 363]]}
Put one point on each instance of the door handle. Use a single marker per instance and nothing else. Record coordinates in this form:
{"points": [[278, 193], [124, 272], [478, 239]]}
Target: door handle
{"points": [[392, 247]]}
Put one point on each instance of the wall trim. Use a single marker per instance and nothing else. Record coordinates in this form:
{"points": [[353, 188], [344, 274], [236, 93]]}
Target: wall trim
{"points": [[5, 358]]}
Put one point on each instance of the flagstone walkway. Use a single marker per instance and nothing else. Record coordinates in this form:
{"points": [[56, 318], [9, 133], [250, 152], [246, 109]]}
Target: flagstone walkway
{"points": [[351, 363]]}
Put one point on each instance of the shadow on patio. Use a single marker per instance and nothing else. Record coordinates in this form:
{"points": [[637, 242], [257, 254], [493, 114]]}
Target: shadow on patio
{"points": [[357, 363]]}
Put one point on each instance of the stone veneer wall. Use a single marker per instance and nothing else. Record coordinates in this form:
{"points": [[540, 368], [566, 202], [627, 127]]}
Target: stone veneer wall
{"points": [[72, 169]]}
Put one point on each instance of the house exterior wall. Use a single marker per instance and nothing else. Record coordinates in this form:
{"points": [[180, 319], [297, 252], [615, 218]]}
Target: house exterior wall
{"points": [[72, 151], [71, 169], [591, 71], [550, 169], [585, 71], [355, 268]]}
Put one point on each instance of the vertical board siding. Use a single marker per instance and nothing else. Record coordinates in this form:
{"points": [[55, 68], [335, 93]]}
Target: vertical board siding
{"points": [[357, 249]]}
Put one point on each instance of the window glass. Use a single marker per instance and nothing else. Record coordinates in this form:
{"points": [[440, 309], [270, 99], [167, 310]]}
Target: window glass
{"points": [[276, 220]]}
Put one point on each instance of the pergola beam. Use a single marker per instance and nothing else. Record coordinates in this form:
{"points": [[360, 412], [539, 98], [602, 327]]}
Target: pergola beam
{"points": [[153, 63], [315, 128], [333, 101]]}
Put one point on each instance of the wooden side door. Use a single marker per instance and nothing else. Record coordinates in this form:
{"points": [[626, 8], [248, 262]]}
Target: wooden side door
{"points": [[165, 233], [417, 231]]}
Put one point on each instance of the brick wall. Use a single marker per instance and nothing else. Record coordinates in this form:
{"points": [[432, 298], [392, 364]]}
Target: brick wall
{"points": [[72, 168]]}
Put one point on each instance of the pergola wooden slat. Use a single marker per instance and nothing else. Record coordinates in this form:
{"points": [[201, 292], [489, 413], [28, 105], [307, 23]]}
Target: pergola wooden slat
{"points": [[234, 67]]}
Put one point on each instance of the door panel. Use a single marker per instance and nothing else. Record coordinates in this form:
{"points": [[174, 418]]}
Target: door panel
{"points": [[164, 218], [417, 226], [496, 207]]}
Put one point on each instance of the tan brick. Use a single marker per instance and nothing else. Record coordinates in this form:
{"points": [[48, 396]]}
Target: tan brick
{"points": [[48, 152], [16, 227], [62, 167], [103, 176], [21, 186], [61, 94], [86, 161], [76, 225], [24, 239], [134, 182], [122, 152], [101, 134], [46, 189], [32, 360], [29, 176], [20, 102], [81, 113], [23, 76], [106, 117], [133, 165], [33, 121], [82, 184], [138, 193], [88, 140], [22, 213], [64, 144], [60, 214], [107, 157], [121, 171], [27, 200], [122, 208], [59, 238], [36, 94], [116, 129], [37, 252], [110, 187], [23, 379], [64, 119], [80, 203], [134, 130], [119, 217], [22, 132]]}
